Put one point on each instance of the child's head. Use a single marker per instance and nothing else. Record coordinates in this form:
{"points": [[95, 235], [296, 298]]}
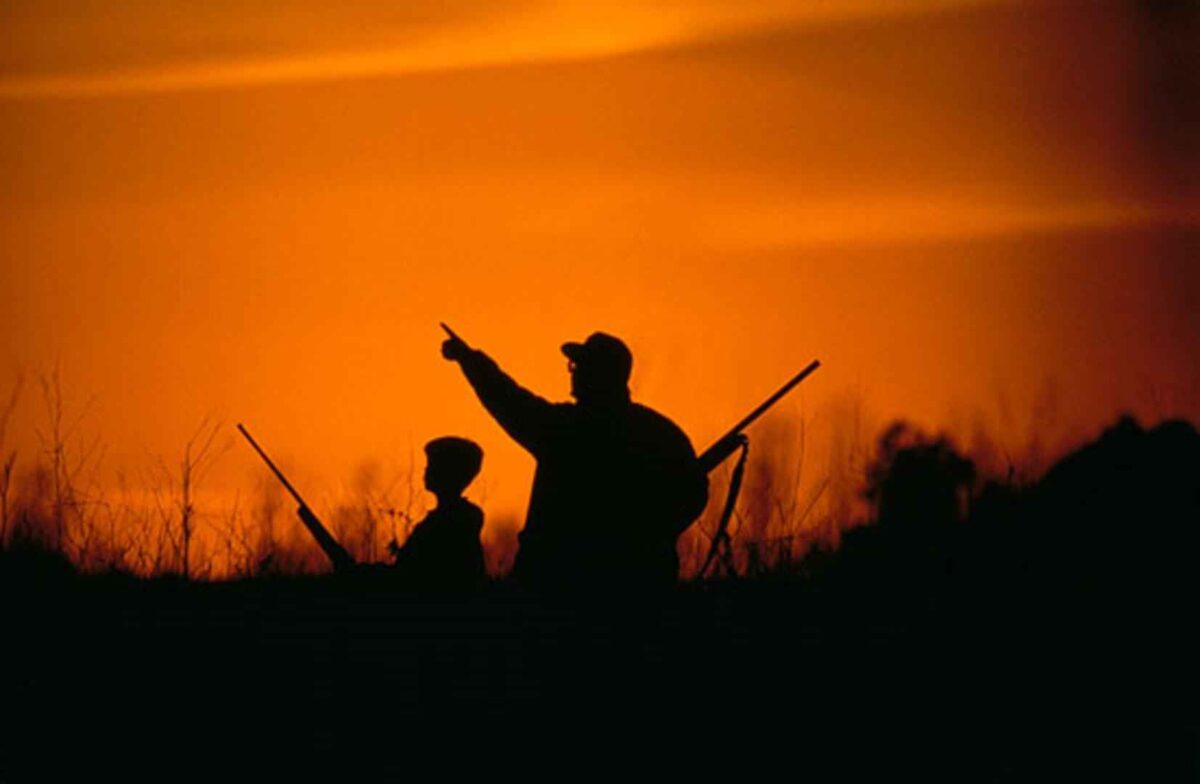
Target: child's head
{"points": [[450, 465]]}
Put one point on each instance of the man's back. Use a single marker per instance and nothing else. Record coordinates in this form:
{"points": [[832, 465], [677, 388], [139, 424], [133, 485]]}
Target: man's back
{"points": [[616, 483], [609, 498]]}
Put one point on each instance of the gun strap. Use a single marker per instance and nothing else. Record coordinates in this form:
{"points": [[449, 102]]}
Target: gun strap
{"points": [[721, 537]]}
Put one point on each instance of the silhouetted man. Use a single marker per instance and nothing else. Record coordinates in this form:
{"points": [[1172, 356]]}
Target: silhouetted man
{"points": [[616, 483]]}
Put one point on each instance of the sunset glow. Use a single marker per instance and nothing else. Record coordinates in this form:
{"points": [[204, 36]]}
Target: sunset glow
{"points": [[983, 217]]}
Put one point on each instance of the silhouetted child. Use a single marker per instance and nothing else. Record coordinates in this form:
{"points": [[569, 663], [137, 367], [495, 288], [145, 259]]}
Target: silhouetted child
{"points": [[443, 550]]}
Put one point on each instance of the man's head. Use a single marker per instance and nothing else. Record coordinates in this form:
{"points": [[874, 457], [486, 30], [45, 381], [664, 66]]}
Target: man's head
{"points": [[450, 465], [600, 367]]}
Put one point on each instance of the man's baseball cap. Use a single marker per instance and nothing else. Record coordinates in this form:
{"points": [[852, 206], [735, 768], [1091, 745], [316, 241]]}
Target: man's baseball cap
{"points": [[602, 352]]}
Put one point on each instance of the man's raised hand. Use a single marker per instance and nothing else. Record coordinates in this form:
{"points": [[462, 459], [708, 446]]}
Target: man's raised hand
{"points": [[454, 348]]}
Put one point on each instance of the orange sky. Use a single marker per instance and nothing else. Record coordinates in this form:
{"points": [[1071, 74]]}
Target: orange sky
{"points": [[261, 211]]}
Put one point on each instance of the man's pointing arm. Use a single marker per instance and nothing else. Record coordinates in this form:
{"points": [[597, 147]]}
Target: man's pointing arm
{"points": [[523, 415]]}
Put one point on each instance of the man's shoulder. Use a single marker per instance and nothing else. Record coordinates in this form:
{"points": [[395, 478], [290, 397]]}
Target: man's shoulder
{"points": [[648, 414], [658, 424]]}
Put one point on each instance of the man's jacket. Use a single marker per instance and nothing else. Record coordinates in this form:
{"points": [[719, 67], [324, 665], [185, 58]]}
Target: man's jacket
{"points": [[616, 483]]}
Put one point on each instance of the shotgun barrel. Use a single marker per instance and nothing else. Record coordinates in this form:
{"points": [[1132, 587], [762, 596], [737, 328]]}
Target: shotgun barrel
{"points": [[728, 443], [330, 546]]}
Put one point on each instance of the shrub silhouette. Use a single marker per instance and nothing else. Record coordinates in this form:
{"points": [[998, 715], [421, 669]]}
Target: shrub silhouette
{"points": [[1122, 515], [919, 487], [917, 483]]}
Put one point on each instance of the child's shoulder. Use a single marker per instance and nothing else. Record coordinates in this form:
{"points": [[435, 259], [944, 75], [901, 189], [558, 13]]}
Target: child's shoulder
{"points": [[461, 511], [471, 511]]}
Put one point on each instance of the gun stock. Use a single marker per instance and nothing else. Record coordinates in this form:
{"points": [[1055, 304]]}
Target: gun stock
{"points": [[728, 443], [330, 546]]}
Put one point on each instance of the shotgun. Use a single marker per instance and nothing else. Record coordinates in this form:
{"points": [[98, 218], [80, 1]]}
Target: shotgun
{"points": [[727, 444], [336, 553]]}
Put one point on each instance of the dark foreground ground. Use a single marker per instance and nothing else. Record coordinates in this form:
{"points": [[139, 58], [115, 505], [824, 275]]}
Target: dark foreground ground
{"points": [[113, 676], [1038, 633]]}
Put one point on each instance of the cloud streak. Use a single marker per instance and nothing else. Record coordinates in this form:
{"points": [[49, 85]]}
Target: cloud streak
{"points": [[901, 221], [565, 31]]}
